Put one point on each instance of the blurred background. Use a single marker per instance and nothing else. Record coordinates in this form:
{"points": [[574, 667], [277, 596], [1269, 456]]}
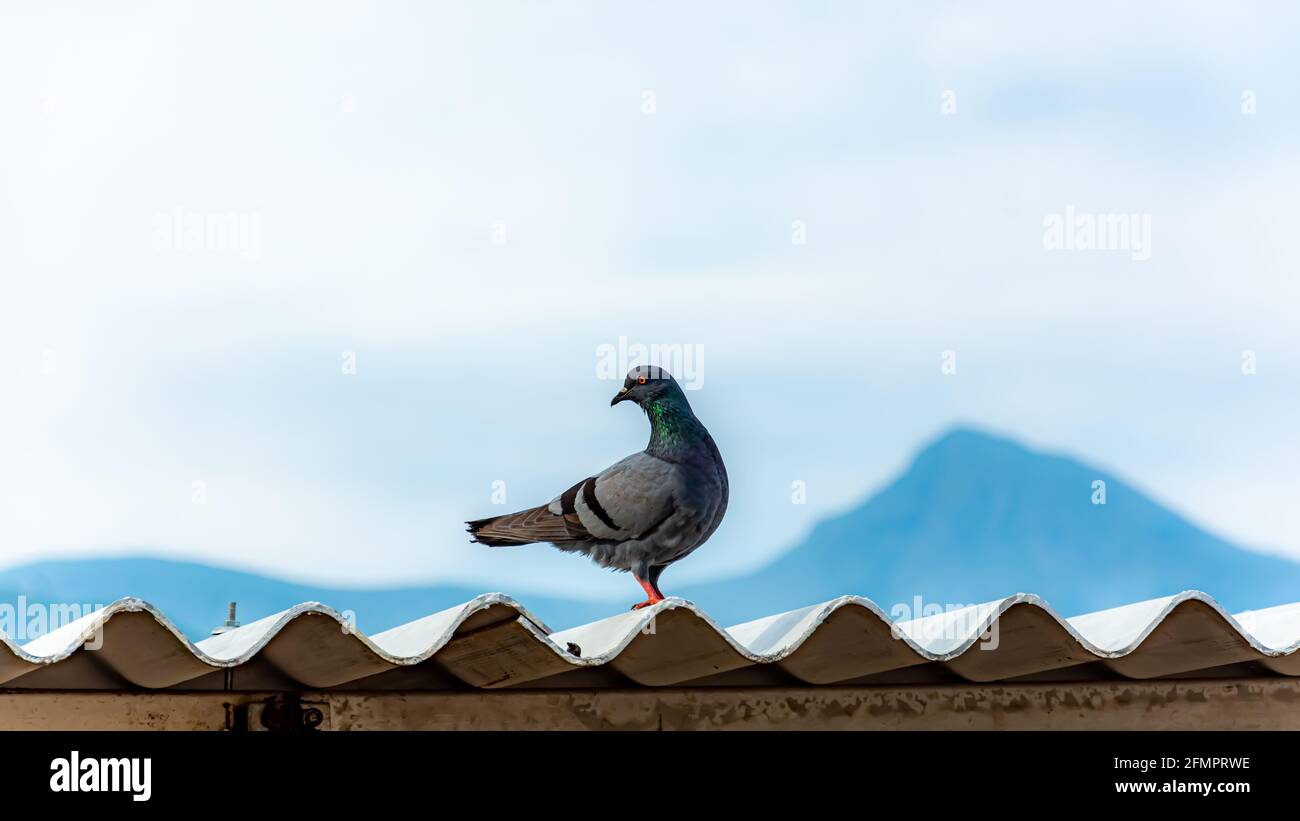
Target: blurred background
{"points": [[287, 294]]}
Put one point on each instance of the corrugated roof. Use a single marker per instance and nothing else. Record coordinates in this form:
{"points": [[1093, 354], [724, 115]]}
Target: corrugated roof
{"points": [[495, 642]]}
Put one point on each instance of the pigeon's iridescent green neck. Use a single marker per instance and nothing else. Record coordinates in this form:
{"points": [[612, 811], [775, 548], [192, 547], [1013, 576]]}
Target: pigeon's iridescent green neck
{"points": [[672, 425]]}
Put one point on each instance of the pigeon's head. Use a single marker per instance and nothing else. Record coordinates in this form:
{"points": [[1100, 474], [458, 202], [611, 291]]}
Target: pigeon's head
{"points": [[645, 384]]}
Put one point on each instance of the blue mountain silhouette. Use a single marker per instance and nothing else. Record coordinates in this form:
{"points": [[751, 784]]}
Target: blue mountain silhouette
{"points": [[194, 595], [975, 517]]}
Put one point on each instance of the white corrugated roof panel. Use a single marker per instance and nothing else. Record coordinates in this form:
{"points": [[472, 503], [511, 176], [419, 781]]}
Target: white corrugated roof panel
{"points": [[494, 642]]}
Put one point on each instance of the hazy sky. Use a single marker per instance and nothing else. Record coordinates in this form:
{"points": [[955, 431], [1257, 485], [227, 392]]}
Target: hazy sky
{"points": [[466, 201]]}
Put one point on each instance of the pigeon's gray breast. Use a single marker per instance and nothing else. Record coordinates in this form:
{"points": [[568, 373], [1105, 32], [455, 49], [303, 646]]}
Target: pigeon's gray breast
{"points": [[646, 511]]}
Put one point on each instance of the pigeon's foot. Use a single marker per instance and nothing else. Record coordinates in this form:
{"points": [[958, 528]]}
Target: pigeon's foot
{"points": [[651, 589]]}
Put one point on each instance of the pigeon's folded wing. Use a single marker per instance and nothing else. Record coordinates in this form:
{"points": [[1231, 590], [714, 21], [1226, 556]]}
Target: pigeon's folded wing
{"points": [[626, 501]]}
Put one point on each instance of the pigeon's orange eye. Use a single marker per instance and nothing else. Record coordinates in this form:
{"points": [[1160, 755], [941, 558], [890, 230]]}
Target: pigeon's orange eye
{"points": [[640, 380]]}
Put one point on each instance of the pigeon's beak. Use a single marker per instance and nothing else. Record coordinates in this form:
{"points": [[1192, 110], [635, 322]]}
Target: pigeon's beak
{"points": [[619, 397]]}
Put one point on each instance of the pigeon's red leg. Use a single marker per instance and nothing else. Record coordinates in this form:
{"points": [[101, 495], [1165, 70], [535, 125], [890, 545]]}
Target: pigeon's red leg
{"points": [[651, 590]]}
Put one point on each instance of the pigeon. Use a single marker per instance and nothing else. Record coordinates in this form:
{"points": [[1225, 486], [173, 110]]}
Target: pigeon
{"points": [[643, 513]]}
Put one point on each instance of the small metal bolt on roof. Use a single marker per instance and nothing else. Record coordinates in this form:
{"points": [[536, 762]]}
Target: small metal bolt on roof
{"points": [[230, 624]]}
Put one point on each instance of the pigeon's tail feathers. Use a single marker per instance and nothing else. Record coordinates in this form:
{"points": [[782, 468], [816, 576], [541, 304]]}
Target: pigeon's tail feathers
{"points": [[537, 524]]}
